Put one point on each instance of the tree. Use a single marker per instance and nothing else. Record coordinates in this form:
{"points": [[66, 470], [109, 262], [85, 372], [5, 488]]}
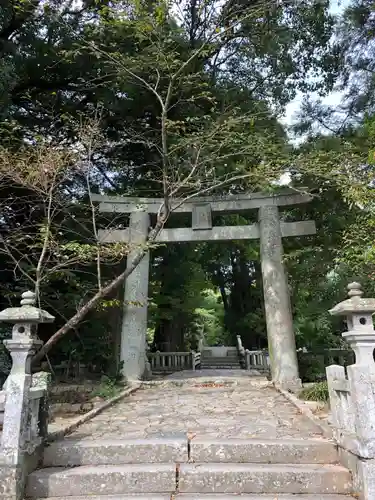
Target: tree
{"points": [[190, 134], [356, 36]]}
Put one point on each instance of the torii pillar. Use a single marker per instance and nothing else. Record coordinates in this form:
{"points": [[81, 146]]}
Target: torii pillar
{"points": [[134, 319], [280, 332]]}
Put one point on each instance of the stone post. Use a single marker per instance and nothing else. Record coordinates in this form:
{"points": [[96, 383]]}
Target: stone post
{"points": [[247, 360], [239, 343], [192, 356], [16, 448], [281, 341], [200, 345], [134, 325]]}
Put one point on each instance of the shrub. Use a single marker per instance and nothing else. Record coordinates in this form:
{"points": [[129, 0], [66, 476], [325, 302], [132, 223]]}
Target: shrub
{"points": [[311, 367], [108, 388], [317, 392]]}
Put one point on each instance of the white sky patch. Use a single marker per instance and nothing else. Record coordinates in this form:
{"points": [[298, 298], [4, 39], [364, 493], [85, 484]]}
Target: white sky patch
{"points": [[333, 98], [285, 179], [291, 111]]}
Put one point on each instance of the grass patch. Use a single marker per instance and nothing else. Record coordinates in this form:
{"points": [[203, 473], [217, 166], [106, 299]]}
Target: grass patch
{"points": [[317, 392], [108, 388]]}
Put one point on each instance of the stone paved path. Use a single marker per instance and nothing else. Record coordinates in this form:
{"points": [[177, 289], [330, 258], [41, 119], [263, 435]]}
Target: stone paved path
{"points": [[218, 405]]}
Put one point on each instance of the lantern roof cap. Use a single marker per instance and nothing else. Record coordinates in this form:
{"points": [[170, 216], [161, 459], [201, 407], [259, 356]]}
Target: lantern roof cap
{"points": [[355, 304], [27, 312]]}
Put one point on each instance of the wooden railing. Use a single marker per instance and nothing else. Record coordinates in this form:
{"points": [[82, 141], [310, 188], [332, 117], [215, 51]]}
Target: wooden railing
{"points": [[257, 360], [174, 361], [327, 357]]}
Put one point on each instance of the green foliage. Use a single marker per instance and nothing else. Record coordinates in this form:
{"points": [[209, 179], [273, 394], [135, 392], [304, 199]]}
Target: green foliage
{"points": [[317, 392], [313, 325], [341, 166], [311, 367], [356, 37], [209, 318], [108, 388]]}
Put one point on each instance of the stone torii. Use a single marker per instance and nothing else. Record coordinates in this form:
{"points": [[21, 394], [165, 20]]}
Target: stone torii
{"points": [[270, 230]]}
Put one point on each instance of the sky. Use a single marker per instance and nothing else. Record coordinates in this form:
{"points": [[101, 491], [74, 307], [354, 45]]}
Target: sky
{"points": [[334, 98]]}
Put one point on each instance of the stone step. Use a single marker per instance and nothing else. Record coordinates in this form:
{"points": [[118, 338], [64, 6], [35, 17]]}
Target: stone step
{"points": [[149, 496], [262, 478], [234, 363], [220, 357], [223, 496], [199, 496], [207, 363], [220, 361], [220, 367], [233, 479], [101, 480], [223, 367], [217, 365], [232, 356], [263, 451], [71, 453]]}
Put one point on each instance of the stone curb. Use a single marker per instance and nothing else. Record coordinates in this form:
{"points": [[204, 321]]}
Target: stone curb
{"points": [[305, 410], [55, 435], [59, 388], [152, 383], [230, 381]]}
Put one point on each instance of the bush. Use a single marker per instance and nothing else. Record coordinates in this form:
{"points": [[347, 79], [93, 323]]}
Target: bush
{"points": [[311, 367], [317, 392], [108, 388]]}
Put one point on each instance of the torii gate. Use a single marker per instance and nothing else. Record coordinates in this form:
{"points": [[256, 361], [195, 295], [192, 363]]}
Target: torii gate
{"points": [[270, 230]]}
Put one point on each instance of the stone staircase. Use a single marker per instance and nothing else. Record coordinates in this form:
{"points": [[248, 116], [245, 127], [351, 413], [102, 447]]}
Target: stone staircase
{"points": [[228, 362], [199, 469]]}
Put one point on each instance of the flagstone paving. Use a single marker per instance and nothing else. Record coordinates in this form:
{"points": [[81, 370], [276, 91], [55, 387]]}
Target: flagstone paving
{"points": [[208, 405]]}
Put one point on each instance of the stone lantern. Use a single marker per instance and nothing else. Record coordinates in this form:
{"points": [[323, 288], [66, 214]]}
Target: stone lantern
{"points": [[24, 342], [21, 423], [361, 334]]}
